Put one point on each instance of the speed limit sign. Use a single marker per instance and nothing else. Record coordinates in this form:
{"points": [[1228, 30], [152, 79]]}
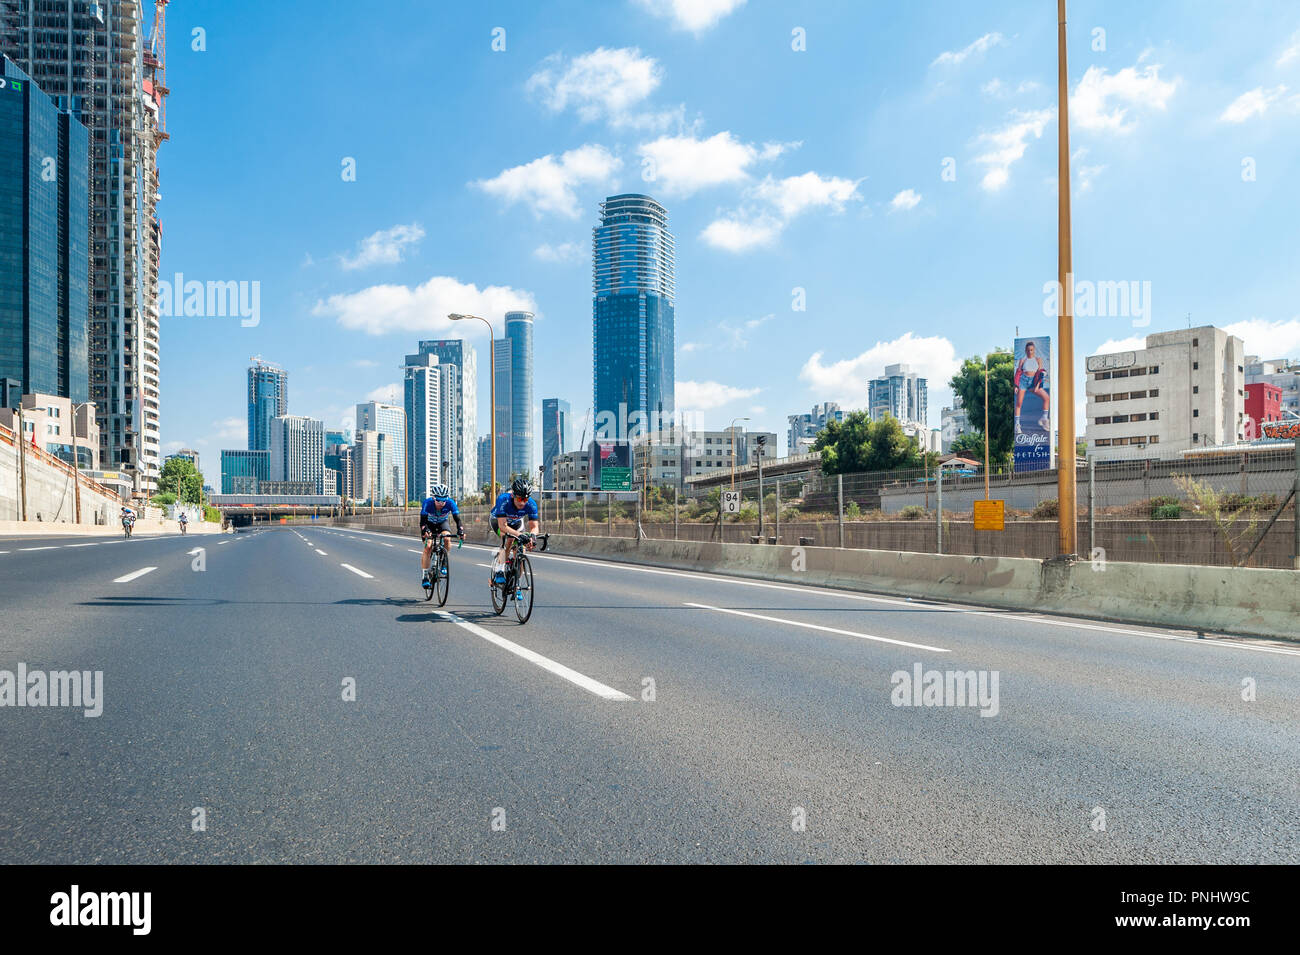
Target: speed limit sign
{"points": [[730, 502]]}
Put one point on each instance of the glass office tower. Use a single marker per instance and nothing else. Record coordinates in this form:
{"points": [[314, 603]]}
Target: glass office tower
{"points": [[268, 398], [461, 403], [519, 332], [556, 438], [633, 317], [44, 240]]}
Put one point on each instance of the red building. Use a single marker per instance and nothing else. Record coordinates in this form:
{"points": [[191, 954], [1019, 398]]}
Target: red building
{"points": [[1263, 404]]}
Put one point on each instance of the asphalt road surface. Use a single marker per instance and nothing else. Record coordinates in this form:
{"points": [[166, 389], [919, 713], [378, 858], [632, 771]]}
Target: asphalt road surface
{"points": [[642, 715]]}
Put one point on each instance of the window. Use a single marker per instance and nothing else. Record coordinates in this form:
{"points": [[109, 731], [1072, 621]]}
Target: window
{"points": [[1101, 398], [1195, 437], [1155, 369], [1120, 396], [1196, 365], [1102, 443], [1137, 417], [1154, 393], [1196, 389], [1137, 394], [1154, 439], [1155, 415], [1196, 343], [1120, 419], [1101, 420], [1196, 412], [1102, 376]]}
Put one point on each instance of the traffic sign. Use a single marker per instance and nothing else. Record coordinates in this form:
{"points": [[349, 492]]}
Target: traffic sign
{"points": [[730, 502], [988, 515]]}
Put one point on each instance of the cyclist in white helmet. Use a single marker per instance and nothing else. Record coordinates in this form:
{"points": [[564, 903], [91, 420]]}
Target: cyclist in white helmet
{"points": [[439, 508]]}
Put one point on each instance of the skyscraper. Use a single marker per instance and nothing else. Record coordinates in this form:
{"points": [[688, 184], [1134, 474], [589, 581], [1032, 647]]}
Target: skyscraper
{"points": [[519, 332], [242, 472], [556, 436], [424, 385], [385, 456], [504, 408], [633, 317], [899, 392], [298, 451], [44, 236], [462, 407], [484, 462], [268, 398], [95, 52]]}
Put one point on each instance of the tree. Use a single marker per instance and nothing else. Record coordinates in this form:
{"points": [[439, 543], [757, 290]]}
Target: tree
{"points": [[180, 478], [859, 444], [970, 444], [968, 385]]}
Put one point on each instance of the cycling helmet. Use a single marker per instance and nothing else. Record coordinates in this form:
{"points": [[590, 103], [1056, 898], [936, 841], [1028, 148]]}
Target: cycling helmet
{"points": [[520, 488], [439, 492]]}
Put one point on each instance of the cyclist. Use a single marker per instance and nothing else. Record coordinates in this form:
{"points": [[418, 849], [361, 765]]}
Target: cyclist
{"points": [[512, 508], [183, 520], [439, 508], [128, 519]]}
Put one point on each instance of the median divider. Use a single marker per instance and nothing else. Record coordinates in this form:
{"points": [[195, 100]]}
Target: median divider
{"points": [[1248, 601]]}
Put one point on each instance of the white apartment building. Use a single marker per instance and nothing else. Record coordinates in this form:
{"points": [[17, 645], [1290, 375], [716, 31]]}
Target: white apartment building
{"points": [[954, 423], [1185, 389], [298, 451], [389, 423]]}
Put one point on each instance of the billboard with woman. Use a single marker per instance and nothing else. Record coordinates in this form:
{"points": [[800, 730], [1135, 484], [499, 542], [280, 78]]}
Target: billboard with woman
{"points": [[1033, 403]]}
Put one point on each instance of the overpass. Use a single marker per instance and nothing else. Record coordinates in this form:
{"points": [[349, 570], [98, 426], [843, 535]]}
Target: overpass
{"points": [[243, 510]]}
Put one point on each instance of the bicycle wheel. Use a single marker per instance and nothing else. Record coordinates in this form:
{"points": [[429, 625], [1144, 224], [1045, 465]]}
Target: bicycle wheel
{"points": [[442, 580], [523, 591], [498, 595]]}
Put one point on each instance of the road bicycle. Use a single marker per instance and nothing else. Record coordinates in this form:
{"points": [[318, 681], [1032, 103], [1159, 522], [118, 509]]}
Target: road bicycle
{"points": [[518, 587], [127, 524], [438, 579]]}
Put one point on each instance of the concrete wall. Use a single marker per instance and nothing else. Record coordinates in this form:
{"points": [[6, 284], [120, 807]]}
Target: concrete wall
{"points": [[50, 491]]}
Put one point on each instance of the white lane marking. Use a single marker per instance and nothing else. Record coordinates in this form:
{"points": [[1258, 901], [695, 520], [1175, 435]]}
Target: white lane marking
{"points": [[94, 544], [409, 551], [386, 545], [321, 552], [126, 578], [359, 573], [219, 543], [50, 547], [559, 669], [816, 626]]}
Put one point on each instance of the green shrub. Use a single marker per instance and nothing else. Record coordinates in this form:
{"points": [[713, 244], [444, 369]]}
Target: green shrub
{"points": [[212, 514], [852, 511], [1046, 510], [913, 512], [1167, 512]]}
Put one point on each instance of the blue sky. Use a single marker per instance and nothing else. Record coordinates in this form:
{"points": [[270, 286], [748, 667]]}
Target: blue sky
{"points": [[478, 172]]}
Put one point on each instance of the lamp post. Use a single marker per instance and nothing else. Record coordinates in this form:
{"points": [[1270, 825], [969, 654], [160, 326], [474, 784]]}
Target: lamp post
{"points": [[492, 399], [732, 431], [1067, 518], [76, 467]]}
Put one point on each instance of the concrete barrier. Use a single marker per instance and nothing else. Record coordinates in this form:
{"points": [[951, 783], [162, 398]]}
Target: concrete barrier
{"points": [[1246, 601]]}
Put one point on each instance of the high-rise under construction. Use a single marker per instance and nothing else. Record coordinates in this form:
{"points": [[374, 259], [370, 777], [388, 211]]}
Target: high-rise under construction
{"points": [[95, 52]]}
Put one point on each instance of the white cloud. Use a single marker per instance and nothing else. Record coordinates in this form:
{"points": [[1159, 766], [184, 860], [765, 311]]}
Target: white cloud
{"points": [[694, 15], [1085, 175], [381, 309], [1292, 51], [564, 252], [1268, 339], [230, 429], [603, 84], [366, 363], [170, 447], [385, 247], [1119, 344], [547, 184], [907, 199], [689, 347], [996, 88], [707, 395], [1007, 145], [1101, 100], [389, 394], [772, 204], [957, 57], [737, 336], [682, 165], [1251, 103], [845, 381]]}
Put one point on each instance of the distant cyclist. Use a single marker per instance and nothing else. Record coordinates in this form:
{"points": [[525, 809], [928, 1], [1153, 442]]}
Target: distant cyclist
{"points": [[128, 519], [183, 520], [512, 508], [439, 508]]}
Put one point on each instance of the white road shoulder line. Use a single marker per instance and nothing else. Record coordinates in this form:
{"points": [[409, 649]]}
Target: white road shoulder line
{"points": [[359, 573], [816, 626], [559, 669], [133, 575], [321, 552], [92, 544], [49, 547]]}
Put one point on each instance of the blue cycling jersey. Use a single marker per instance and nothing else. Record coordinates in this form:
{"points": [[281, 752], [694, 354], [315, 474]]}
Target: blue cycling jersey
{"points": [[438, 512], [505, 507]]}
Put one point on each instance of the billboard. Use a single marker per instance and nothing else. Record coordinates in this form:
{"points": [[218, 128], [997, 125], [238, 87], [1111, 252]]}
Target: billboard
{"points": [[1032, 411], [611, 465]]}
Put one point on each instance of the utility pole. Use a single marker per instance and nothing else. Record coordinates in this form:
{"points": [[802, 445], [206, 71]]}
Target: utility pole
{"points": [[22, 463], [986, 426], [761, 441], [1067, 504]]}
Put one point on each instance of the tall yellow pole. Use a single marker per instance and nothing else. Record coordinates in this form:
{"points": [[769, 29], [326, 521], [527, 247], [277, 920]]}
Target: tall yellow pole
{"points": [[986, 427], [1067, 504]]}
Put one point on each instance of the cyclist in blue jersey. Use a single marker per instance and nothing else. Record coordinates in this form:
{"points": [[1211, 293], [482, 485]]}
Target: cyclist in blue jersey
{"points": [[511, 510], [439, 508]]}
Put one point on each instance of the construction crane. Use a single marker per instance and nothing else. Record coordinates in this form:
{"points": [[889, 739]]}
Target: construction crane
{"points": [[155, 71]]}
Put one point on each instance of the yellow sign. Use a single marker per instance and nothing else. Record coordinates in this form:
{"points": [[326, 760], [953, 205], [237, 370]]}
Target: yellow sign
{"points": [[988, 515]]}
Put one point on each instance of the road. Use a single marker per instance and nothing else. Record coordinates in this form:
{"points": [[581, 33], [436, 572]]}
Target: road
{"points": [[771, 733]]}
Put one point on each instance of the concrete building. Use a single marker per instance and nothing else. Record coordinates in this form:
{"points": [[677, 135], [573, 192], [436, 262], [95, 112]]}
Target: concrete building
{"points": [[659, 458], [899, 392], [44, 240], [427, 435], [954, 423], [571, 471], [804, 428], [1185, 389], [242, 472], [58, 426], [96, 53], [338, 459], [298, 452], [189, 454], [1281, 373], [383, 465], [460, 407], [557, 436]]}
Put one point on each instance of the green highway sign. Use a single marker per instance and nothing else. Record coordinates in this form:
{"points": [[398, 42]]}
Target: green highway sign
{"points": [[615, 479]]}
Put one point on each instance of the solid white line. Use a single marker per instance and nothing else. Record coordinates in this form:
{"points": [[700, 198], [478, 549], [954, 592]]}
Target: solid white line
{"points": [[409, 551], [559, 669], [222, 542], [359, 573], [133, 575], [93, 544], [815, 626], [321, 552], [50, 547]]}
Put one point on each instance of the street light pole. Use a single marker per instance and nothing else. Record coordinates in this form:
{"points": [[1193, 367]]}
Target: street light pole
{"points": [[732, 431], [1066, 504], [492, 399]]}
